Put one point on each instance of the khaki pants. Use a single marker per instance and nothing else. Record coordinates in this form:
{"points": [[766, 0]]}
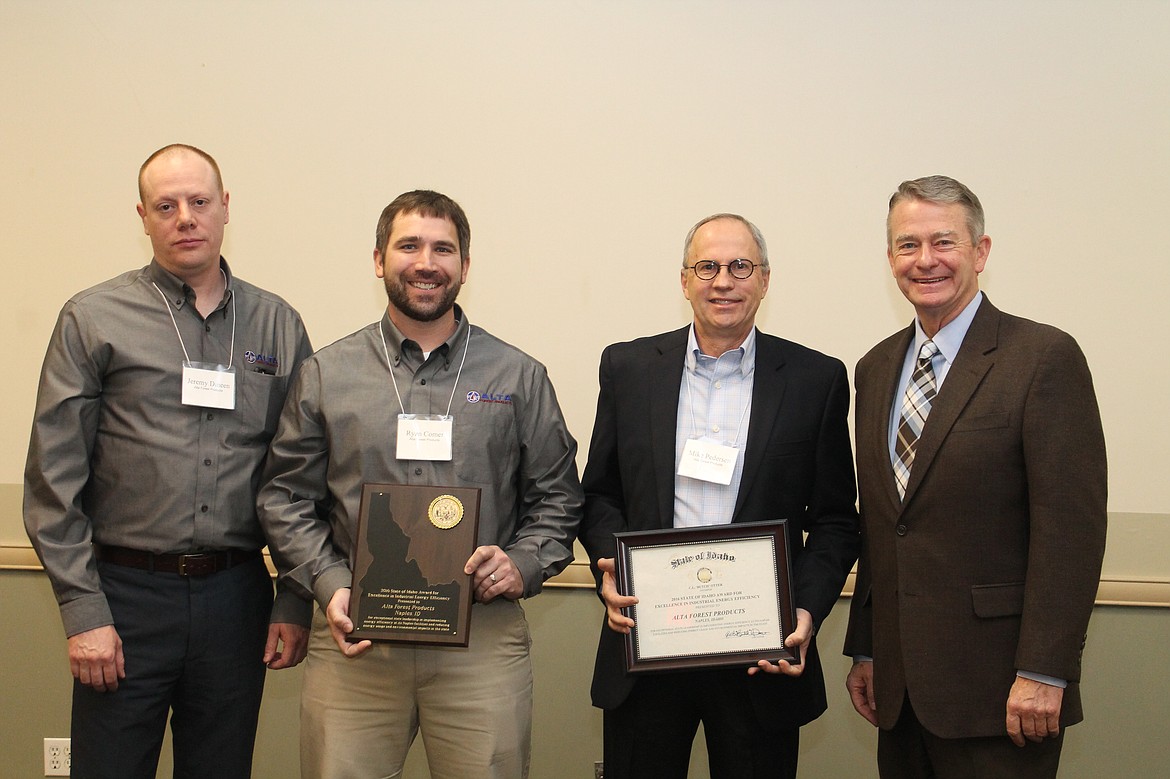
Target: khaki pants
{"points": [[473, 705]]}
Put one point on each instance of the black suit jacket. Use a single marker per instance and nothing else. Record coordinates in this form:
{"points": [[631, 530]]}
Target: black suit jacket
{"points": [[797, 466], [991, 562]]}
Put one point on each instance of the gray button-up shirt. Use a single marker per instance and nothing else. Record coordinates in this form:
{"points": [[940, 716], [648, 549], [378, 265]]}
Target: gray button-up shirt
{"points": [[116, 458], [339, 429]]}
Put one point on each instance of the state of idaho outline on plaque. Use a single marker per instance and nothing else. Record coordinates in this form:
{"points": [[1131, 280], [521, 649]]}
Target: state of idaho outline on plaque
{"points": [[408, 580]]}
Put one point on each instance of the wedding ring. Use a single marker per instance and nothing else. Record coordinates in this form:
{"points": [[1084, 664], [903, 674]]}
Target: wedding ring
{"points": [[492, 576]]}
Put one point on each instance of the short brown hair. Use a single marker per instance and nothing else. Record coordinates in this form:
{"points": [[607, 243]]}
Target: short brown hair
{"points": [[426, 203]]}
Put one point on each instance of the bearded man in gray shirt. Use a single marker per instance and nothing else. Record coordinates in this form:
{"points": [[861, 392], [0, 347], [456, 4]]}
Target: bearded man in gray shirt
{"points": [[363, 704], [159, 394]]}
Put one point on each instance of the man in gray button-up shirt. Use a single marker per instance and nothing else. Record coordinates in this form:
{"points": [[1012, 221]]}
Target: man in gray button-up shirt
{"points": [[338, 431], [140, 499]]}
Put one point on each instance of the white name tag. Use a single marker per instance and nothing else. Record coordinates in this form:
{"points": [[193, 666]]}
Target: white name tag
{"points": [[707, 460], [424, 437], [209, 386]]}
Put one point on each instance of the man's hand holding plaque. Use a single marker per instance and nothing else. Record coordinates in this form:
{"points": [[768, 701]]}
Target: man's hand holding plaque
{"points": [[493, 575], [341, 626]]}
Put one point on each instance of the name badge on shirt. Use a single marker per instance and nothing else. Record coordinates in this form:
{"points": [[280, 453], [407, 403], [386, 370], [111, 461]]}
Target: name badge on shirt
{"points": [[424, 437], [209, 386], [708, 460]]}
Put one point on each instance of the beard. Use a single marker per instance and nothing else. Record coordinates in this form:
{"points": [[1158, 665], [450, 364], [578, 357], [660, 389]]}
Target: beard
{"points": [[399, 296]]}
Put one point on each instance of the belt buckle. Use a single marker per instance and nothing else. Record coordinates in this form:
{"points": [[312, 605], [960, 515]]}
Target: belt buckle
{"points": [[197, 564]]}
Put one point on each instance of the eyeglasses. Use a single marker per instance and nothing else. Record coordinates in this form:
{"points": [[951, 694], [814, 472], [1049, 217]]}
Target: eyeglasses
{"points": [[709, 269]]}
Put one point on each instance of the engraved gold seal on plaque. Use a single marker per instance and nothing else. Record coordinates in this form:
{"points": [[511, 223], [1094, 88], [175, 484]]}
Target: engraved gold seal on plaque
{"points": [[445, 512], [704, 575]]}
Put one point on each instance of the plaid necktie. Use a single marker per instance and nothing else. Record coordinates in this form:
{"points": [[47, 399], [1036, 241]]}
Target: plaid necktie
{"points": [[920, 391]]}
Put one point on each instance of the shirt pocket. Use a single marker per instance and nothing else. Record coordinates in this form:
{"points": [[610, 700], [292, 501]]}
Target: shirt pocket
{"points": [[486, 449], [259, 398]]}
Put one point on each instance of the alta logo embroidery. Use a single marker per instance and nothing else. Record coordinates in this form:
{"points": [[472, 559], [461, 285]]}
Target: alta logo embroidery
{"points": [[264, 359], [488, 397]]}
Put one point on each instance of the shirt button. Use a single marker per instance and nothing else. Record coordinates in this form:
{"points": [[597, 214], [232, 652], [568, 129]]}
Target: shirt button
{"points": [[718, 385], [210, 415], [207, 328], [714, 428], [418, 471], [207, 461], [900, 530], [203, 508], [424, 381]]}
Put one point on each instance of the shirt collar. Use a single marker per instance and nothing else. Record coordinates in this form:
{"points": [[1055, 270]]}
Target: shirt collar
{"points": [[178, 293], [747, 351], [950, 337], [396, 342]]}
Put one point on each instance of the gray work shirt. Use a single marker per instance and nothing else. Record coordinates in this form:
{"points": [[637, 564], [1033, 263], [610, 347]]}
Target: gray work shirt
{"points": [[115, 458], [339, 430]]}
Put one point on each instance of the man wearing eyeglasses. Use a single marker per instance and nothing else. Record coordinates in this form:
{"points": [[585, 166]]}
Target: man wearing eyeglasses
{"points": [[776, 413], [982, 473]]}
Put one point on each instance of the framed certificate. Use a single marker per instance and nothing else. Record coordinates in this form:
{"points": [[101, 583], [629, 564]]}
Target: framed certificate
{"points": [[408, 580], [707, 597]]}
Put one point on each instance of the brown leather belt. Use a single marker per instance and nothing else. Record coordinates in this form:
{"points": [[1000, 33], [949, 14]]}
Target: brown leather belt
{"points": [[193, 564]]}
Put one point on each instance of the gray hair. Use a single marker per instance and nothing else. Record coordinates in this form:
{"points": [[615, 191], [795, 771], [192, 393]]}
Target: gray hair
{"points": [[757, 236], [944, 190]]}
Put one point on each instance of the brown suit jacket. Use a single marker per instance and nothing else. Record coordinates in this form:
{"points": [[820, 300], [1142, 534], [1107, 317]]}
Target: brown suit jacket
{"points": [[991, 563]]}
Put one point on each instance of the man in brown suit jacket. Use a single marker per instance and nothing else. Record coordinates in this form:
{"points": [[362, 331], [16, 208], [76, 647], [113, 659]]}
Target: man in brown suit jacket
{"points": [[975, 587]]}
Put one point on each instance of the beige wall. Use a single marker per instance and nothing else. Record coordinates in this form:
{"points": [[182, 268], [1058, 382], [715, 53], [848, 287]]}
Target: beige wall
{"points": [[584, 138]]}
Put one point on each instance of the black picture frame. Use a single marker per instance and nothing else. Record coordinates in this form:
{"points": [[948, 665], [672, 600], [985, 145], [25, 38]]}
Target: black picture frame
{"points": [[699, 606]]}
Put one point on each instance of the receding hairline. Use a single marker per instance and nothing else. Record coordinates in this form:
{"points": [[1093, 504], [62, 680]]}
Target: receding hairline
{"points": [[756, 235], [178, 148]]}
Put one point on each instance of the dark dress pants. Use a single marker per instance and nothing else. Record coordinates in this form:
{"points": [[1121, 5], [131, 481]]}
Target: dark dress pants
{"points": [[193, 646], [910, 751], [650, 735]]}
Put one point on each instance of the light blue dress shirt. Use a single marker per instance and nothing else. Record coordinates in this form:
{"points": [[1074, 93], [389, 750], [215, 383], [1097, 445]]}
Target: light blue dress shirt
{"points": [[714, 403]]}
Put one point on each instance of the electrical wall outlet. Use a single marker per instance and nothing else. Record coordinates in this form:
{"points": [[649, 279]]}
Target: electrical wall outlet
{"points": [[58, 760]]}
